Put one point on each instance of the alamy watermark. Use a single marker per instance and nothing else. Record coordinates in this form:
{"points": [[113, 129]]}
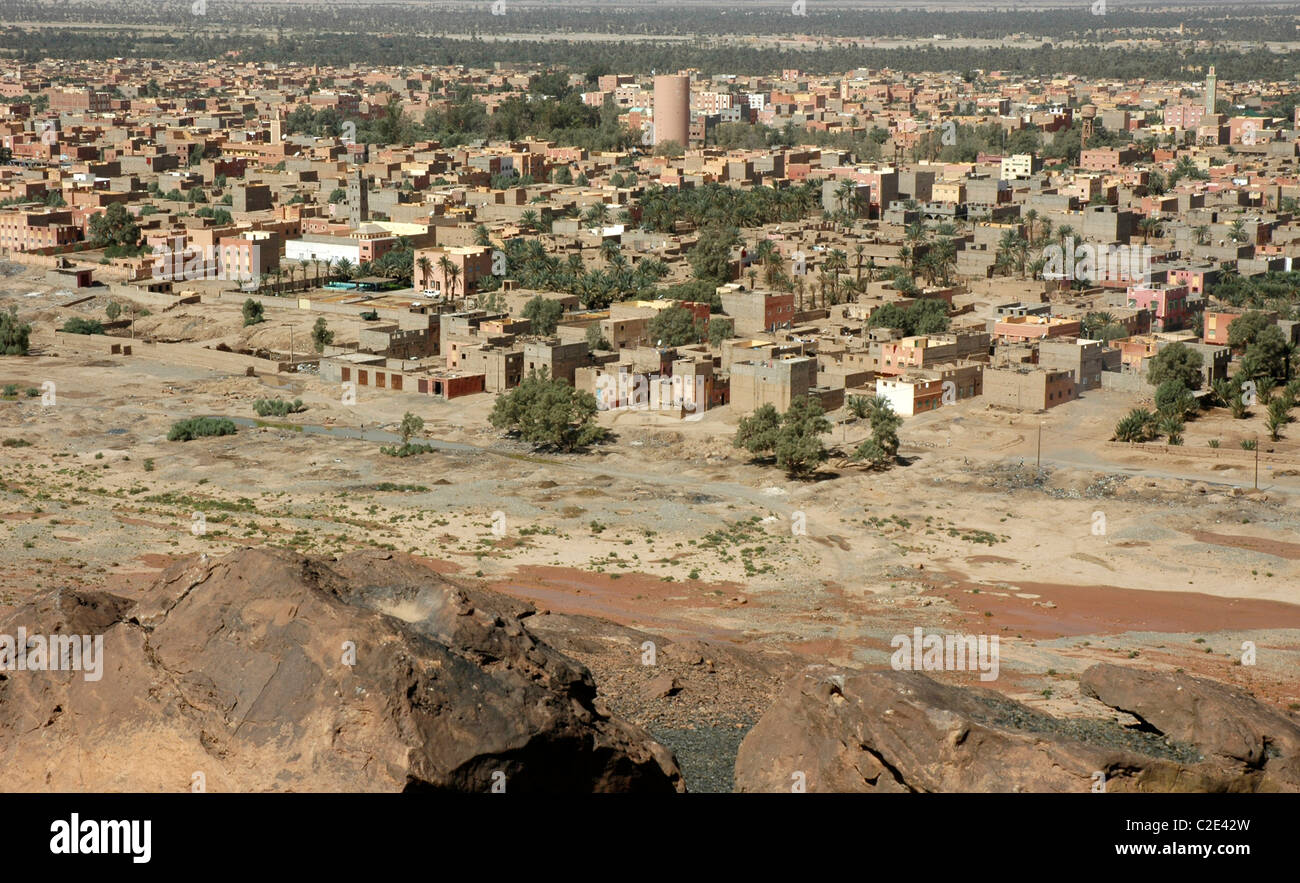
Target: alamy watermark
{"points": [[922, 652], [650, 392], [1088, 262], [24, 652]]}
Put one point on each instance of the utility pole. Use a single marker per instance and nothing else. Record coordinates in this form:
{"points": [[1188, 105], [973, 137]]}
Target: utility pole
{"points": [[1257, 461], [1039, 462]]}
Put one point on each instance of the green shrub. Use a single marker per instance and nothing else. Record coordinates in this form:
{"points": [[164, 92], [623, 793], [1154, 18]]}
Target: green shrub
{"points": [[253, 313], [200, 427], [406, 450], [16, 443], [14, 335], [78, 325], [278, 407]]}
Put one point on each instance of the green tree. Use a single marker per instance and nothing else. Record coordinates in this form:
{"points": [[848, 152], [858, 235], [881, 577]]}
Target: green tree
{"points": [[1268, 356], [758, 433], [253, 312], [924, 316], [113, 310], [544, 314], [675, 326], [1246, 327], [720, 330], [321, 336], [1173, 398], [710, 259], [799, 448], [14, 335], [882, 448], [792, 438], [1176, 362], [546, 412], [114, 227], [411, 426]]}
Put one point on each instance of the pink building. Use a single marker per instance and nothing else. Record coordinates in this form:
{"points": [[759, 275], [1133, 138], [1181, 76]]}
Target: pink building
{"points": [[1184, 116], [464, 267], [1168, 304]]}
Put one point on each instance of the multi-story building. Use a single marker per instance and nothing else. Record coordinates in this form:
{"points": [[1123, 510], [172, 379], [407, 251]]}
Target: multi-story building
{"points": [[754, 312], [454, 270], [1167, 303], [28, 229], [775, 382], [1024, 388], [1020, 165], [1018, 329], [897, 357], [1085, 359]]}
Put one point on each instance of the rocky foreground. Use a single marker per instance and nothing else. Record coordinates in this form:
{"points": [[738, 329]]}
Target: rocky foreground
{"points": [[238, 670], [269, 671], [887, 731]]}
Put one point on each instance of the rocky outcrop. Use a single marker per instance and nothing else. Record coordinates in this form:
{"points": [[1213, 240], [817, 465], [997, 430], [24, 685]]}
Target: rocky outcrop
{"points": [[238, 673], [1223, 722], [886, 731]]}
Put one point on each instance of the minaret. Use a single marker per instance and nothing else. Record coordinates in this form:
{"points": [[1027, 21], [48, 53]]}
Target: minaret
{"points": [[277, 128], [358, 196], [1211, 91]]}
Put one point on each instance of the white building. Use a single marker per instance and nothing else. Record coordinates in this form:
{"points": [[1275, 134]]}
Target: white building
{"points": [[323, 248]]}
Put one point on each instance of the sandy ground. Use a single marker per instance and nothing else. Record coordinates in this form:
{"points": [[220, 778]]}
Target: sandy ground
{"points": [[1164, 558]]}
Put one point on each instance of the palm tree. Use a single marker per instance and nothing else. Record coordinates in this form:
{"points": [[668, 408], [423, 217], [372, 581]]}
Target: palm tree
{"points": [[1172, 426], [529, 219], [343, 267], [1278, 418], [1202, 233], [303, 264], [845, 193], [453, 273], [836, 262], [1006, 254], [1031, 219], [597, 215], [1136, 426], [446, 266], [426, 269]]}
